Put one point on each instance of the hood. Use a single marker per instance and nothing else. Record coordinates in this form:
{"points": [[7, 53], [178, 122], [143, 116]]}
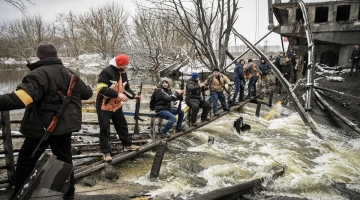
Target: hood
{"points": [[164, 79], [113, 62]]}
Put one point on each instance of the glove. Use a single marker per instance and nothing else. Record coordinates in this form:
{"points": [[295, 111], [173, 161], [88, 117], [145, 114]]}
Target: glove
{"points": [[180, 97]]}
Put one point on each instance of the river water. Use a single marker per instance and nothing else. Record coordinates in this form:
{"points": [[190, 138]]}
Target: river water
{"points": [[314, 168]]}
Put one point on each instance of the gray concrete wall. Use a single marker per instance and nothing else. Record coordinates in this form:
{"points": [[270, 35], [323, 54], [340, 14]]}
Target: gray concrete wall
{"points": [[344, 55]]}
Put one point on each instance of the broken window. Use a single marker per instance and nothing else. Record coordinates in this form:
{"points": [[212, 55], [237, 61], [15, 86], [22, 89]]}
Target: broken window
{"points": [[299, 15], [321, 14], [343, 13]]}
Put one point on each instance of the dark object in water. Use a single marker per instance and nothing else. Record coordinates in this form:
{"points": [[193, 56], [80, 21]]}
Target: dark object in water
{"points": [[239, 125]]}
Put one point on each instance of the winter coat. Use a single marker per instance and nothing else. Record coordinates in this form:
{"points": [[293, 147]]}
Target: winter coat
{"points": [[217, 84], [252, 71], [287, 70], [239, 71], [355, 53], [46, 78], [193, 90], [163, 98], [264, 68], [109, 87]]}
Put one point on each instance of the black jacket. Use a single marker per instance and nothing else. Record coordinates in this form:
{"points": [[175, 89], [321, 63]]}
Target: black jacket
{"points": [[287, 70], [264, 68], [193, 90], [47, 77], [355, 53], [111, 73], [163, 97]]}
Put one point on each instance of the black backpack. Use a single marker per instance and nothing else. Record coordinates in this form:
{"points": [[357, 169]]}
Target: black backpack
{"points": [[153, 101]]}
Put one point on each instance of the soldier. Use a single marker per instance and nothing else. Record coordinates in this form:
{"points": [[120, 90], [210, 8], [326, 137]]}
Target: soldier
{"points": [[38, 93], [113, 88]]}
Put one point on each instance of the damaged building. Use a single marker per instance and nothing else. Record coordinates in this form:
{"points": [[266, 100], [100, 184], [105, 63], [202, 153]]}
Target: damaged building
{"points": [[335, 27]]}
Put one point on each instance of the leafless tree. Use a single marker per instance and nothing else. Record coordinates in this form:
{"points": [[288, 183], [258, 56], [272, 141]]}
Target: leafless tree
{"points": [[19, 4], [70, 33], [25, 34], [102, 29], [206, 24], [154, 40]]}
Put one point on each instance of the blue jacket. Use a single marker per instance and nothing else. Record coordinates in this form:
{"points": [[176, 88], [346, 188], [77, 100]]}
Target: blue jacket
{"points": [[239, 72], [264, 68]]}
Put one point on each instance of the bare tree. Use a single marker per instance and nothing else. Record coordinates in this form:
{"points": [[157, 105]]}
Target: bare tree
{"points": [[102, 29], [19, 4], [205, 24], [154, 40], [23, 36], [70, 33]]}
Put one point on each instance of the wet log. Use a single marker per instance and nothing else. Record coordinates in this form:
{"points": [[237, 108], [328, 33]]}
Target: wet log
{"points": [[337, 92], [233, 192], [336, 113]]}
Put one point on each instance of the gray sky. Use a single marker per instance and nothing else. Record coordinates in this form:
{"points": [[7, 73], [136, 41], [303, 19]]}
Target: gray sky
{"points": [[245, 25]]}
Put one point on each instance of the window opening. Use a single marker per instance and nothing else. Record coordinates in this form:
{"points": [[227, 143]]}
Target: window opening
{"points": [[343, 13], [299, 15], [321, 14]]}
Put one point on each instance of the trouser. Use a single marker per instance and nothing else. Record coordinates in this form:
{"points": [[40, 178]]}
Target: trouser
{"points": [[120, 126], [304, 72], [355, 64], [264, 78], [195, 105], [239, 87], [287, 77], [60, 147], [296, 75], [170, 116], [252, 86], [218, 96]]}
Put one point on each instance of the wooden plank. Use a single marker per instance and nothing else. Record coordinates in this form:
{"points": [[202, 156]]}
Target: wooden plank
{"points": [[8, 147]]}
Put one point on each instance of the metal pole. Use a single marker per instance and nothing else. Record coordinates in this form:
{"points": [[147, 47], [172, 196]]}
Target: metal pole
{"points": [[8, 147]]}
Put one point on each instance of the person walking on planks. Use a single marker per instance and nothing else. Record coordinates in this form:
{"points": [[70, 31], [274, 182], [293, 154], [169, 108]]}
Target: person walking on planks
{"points": [[217, 82], [163, 98], [39, 93], [194, 99], [265, 70], [112, 89], [239, 81], [252, 72], [355, 58]]}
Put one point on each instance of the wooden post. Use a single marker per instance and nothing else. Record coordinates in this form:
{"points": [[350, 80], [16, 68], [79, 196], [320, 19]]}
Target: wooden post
{"points": [[8, 147], [258, 110]]}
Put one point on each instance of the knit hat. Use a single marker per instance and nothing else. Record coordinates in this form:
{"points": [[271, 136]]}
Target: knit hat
{"points": [[122, 60], [46, 50], [216, 69], [194, 75]]}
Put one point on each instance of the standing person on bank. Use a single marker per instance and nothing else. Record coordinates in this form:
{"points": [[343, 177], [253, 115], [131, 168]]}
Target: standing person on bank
{"points": [[38, 93], [194, 99], [265, 70], [239, 81], [217, 83], [113, 88], [354, 59], [286, 73], [163, 108]]}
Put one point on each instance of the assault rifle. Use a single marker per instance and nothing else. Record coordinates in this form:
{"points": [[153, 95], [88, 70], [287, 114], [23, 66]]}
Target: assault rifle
{"points": [[55, 120], [203, 88], [136, 115], [181, 88]]}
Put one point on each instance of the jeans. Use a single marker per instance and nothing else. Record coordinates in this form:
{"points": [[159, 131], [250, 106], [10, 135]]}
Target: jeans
{"points": [[239, 87], [218, 96], [170, 116], [252, 86]]}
